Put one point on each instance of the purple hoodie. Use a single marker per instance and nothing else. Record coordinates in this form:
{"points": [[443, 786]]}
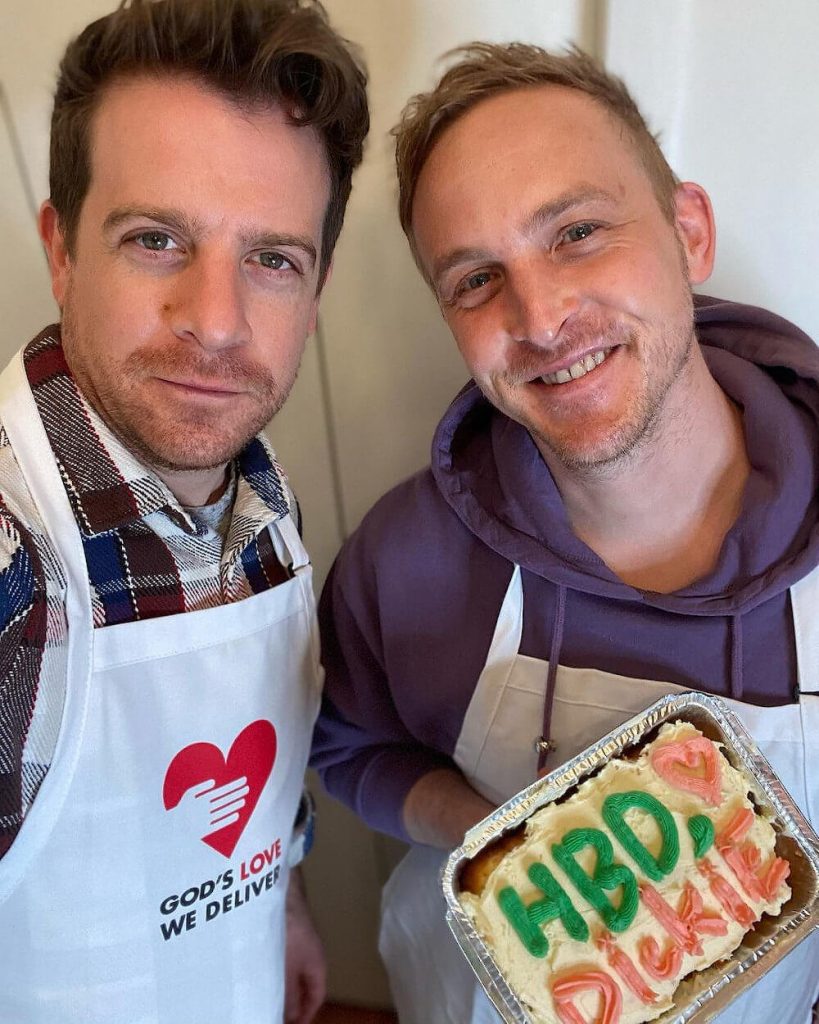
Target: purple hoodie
{"points": [[410, 607]]}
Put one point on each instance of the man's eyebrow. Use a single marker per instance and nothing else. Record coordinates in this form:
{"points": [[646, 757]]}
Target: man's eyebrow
{"points": [[456, 257], [282, 241], [191, 227], [175, 219], [561, 205], [543, 215]]}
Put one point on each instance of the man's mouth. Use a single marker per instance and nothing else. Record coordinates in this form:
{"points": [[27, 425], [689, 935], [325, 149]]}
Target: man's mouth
{"points": [[578, 369], [202, 387]]}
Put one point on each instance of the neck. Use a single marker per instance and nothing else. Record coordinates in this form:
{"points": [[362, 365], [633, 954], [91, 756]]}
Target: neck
{"points": [[195, 487], [659, 516]]}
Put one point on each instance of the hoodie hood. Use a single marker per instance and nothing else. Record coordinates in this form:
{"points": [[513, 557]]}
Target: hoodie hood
{"points": [[491, 474]]}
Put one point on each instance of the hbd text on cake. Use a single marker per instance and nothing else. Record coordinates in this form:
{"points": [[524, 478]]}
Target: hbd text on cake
{"points": [[683, 923]]}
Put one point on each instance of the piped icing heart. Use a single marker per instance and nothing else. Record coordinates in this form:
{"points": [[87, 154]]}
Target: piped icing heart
{"points": [[691, 765]]}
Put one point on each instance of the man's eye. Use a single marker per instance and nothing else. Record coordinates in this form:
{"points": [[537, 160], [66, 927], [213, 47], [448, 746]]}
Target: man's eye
{"points": [[475, 281], [577, 232], [473, 290], [274, 261], [155, 241]]}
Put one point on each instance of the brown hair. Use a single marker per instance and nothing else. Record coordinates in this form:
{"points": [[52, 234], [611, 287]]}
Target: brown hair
{"points": [[254, 52], [487, 69]]}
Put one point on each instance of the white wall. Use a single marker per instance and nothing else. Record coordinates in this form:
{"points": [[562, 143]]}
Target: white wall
{"points": [[733, 88]]}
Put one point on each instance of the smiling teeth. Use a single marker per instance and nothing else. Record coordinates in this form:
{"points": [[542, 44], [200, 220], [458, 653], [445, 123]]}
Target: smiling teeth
{"points": [[578, 369]]}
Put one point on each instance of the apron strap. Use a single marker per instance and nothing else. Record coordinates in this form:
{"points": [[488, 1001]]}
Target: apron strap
{"points": [[32, 451], [289, 548], [509, 627], [492, 681], [288, 544]]}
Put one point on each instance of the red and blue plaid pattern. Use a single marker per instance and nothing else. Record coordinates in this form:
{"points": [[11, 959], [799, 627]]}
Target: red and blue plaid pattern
{"points": [[146, 557]]}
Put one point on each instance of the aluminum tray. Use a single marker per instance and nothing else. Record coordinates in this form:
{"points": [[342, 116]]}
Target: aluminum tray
{"points": [[704, 994]]}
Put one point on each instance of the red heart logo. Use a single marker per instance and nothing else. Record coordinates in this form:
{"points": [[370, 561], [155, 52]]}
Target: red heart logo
{"points": [[251, 756], [676, 763]]}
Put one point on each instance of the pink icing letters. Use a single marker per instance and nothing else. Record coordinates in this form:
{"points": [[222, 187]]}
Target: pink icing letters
{"points": [[566, 988], [691, 912], [672, 760], [680, 931], [727, 894], [687, 920], [660, 966], [625, 968], [745, 859], [737, 828], [682, 925]]}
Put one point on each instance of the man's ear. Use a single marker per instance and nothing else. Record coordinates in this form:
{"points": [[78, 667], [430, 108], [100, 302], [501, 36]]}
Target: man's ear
{"points": [[694, 219], [59, 261]]}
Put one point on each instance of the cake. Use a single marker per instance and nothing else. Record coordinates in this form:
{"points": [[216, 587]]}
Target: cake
{"points": [[655, 867]]}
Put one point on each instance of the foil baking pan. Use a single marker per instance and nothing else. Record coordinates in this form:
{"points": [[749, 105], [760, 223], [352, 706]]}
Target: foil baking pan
{"points": [[704, 994]]}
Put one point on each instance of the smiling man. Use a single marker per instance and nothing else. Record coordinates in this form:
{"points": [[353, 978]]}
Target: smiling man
{"points": [[158, 660], [621, 503]]}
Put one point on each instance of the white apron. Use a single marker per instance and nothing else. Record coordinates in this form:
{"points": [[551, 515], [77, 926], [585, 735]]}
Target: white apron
{"points": [[126, 897], [431, 981]]}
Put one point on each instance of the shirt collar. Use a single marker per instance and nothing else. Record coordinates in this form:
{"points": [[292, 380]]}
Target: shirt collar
{"points": [[107, 486]]}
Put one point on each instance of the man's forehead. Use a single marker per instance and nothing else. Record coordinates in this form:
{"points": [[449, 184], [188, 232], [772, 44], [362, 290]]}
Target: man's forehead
{"points": [[164, 139], [142, 96], [554, 118], [514, 153]]}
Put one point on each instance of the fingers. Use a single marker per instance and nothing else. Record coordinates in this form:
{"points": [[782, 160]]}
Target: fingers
{"points": [[313, 993], [230, 788], [200, 788], [215, 824], [305, 999], [228, 800], [225, 802]]}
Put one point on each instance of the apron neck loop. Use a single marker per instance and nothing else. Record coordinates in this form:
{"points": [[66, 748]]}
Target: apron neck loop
{"points": [[293, 554]]}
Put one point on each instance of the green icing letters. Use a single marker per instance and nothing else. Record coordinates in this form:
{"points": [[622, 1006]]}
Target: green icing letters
{"points": [[528, 920], [607, 876], [702, 832], [614, 812]]}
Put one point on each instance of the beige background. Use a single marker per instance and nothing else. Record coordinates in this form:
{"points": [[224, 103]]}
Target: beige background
{"points": [[731, 85]]}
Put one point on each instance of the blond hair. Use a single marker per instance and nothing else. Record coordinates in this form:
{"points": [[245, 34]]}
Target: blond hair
{"points": [[487, 69]]}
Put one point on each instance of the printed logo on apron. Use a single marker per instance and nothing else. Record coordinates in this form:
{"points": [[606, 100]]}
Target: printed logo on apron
{"points": [[232, 784], [217, 796]]}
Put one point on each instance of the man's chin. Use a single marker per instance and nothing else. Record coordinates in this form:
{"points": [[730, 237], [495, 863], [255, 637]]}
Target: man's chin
{"points": [[188, 453], [592, 450], [192, 462]]}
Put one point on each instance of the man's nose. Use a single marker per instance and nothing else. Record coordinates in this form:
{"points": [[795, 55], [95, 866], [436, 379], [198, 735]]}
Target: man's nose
{"points": [[208, 304], [541, 298]]}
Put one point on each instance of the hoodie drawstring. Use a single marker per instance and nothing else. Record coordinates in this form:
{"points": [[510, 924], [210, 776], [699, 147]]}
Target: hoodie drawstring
{"points": [[736, 657], [545, 744]]}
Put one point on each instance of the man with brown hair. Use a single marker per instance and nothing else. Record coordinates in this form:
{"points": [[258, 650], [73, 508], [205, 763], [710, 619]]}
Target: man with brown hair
{"points": [[621, 503], [159, 671]]}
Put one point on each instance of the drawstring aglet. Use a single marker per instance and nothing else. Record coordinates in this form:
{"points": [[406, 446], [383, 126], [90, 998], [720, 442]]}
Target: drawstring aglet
{"points": [[544, 745]]}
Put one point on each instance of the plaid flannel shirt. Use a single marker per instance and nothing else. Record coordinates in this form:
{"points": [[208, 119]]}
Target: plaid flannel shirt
{"points": [[146, 557]]}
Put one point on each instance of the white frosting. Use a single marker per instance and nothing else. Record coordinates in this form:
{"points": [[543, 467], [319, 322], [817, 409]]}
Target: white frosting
{"points": [[531, 977]]}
